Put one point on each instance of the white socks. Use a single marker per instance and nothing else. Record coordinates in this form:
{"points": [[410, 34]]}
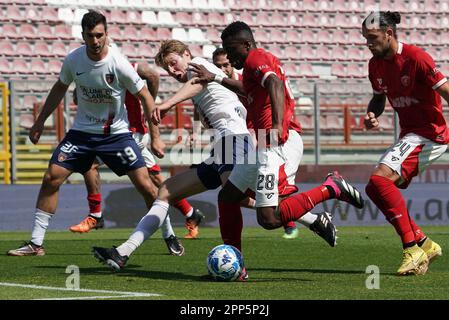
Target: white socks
{"points": [[147, 227], [308, 219], [41, 221], [166, 228]]}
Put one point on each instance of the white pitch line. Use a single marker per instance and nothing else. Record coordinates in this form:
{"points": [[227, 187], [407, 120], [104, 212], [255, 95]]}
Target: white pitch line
{"points": [[120, 294]]}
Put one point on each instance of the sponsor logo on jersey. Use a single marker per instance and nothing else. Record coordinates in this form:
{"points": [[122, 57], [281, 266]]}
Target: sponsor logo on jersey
{"points": [[110, 78], [393, 158], [401, 102], [405, 80], [269, 195]]}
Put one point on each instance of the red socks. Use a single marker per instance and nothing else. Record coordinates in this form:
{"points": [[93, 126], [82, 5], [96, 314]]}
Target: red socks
{"points": [[295, 206], [183, 206], [231, 223], [387, 197], [94, 202]]}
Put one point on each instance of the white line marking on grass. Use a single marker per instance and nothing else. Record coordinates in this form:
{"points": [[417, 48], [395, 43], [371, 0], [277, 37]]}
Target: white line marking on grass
{"points": [[120, 294]]}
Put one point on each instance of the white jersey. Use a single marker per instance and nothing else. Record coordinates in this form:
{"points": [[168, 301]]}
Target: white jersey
{"points": [[219, 108], [100, 88]]}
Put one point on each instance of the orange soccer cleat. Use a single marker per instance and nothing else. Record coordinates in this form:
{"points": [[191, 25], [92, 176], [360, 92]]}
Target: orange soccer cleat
{"points": [[192, 224], [88, 224]]}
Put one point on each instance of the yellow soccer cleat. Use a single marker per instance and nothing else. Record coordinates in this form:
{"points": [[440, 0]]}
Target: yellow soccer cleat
{"points": [[432, 249], [414, 261]]}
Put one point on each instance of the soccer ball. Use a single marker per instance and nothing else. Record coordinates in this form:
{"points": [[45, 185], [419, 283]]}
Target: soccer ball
{"points": [[225, 263]]}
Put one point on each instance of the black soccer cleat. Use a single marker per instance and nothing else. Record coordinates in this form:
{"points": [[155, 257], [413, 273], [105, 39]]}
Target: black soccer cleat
{"points": [[111, 257], [343, 190], [324, 227], [174, 246], [192, 224]]}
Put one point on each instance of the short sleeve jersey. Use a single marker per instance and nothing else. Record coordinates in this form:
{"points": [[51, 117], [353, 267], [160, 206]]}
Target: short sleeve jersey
{"points": [[258, 66], [218, 107], [101, 87], [135, 115], [409, 81]]}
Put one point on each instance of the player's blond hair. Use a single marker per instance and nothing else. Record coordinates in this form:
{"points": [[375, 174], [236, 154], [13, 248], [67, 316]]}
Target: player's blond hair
{"points": [[167, 47]]}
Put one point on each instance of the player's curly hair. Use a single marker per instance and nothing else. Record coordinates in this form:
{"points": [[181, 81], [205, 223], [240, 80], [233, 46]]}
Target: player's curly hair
{"points": [[167, 47], [235, 28], [383, 19], [91, 19]]}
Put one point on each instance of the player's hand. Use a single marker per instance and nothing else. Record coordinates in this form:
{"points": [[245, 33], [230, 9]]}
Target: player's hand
{"points": [[202, 74], [278, 132], [36, 131], [158, 113], [371, 121], [158, 147]]}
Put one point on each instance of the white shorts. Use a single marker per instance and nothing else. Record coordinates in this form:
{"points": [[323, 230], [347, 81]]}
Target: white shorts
{"points": [[142, 142], [411, 155], [274, 173]]}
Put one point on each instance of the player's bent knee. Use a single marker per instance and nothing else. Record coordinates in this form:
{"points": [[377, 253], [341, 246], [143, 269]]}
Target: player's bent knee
{"points": [[267, 220]]}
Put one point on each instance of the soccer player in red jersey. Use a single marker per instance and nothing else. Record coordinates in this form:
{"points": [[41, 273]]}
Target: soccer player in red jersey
{"points": [[140, 131], [407, 76], [220, 59], [280, 147]]}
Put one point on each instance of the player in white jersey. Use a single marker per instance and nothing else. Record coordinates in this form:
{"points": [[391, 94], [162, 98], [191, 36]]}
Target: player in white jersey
{"points": [[220, 109], [102, 77]]}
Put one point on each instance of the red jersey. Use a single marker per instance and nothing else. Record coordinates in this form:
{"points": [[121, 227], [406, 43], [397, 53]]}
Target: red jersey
{"points": [[258, 66], [136, 118], [409, 81]]}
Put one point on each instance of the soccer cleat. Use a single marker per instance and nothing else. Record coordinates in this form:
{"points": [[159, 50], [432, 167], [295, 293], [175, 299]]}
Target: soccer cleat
{"points": [[414, 261], [343, 190], [291, 233], [111, 257], [192, 224], [29, 249], [324, 227], [432, 249], [174, 246], [243, 276], [88, 224]]}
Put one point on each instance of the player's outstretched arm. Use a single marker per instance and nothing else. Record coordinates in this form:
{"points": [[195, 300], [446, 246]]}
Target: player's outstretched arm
{"points": [[55, 96], [375, 108], [443, 90], [205, 76], [275, 88], [151, 77], [187, 91]]}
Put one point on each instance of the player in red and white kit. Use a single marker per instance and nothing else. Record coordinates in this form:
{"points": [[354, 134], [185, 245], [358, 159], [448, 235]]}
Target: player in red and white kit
{"points": [[140, 133], [280, 147], [220, 59], [407, 76]]}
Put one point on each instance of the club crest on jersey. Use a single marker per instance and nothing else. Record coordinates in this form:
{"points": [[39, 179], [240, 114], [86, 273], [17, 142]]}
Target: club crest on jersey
{"points": [[110, 78], [405, 80], [62, 157]]}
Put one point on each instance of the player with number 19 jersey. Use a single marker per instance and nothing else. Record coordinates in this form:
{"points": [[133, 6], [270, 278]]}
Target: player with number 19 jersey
{"points": [[257, 67]]}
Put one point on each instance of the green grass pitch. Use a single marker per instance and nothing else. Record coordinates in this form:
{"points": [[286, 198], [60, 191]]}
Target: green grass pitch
{"points": [[279, 269]]}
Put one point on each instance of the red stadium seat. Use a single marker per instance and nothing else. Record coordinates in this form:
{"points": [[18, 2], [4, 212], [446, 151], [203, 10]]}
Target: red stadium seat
{"points": [[7, 49], [196, 50], [213, 35], [64, 32], [20, 66], [290, 69], [27, 31], [291, 52], [323, 53], [163, 33], [200, 19], [54, 66], [133, 17], [14, 15], [24, 49], [355, 37], [144, 50], [353, 70], [38, 67], [354, 54], [305, 70], [129, 50], [339, 53], [115, 33], [41, 49], [432, 6], [309, 20], [309, 5], [338, 70], [118, 16], [33, 15], [275, 50], [45, 32], [278, 36], [307, 53], [149, 34], [340, 6], [261, 36], [5, 67], [50, 15], [324, 36], [130, 33], [308, 36], [216, 19], [184, 18], [339, 36]]}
